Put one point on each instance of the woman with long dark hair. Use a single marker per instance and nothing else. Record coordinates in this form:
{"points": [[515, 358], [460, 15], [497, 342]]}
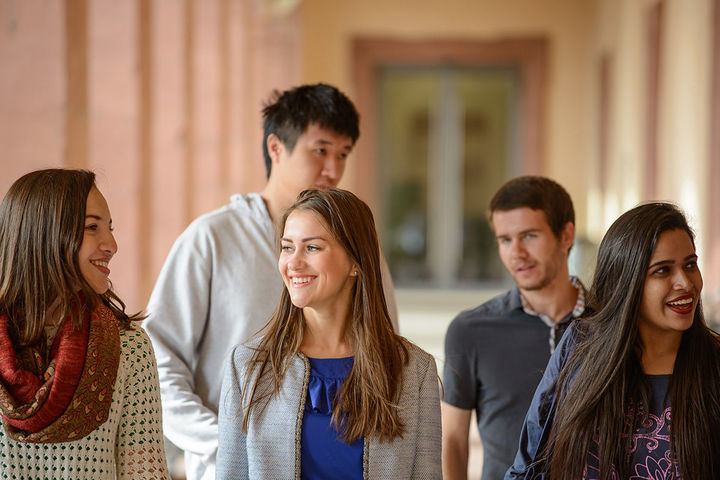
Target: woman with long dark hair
{"points": [[329, 390], [79, 394], [634, 390]]}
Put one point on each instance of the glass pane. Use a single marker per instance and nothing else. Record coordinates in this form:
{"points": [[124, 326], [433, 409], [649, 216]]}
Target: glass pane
{"points": [[403, 109], [412, 103], [489, 97]]}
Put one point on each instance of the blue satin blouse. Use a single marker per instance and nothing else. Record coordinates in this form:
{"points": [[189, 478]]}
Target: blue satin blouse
{"points": [[323, 454]]}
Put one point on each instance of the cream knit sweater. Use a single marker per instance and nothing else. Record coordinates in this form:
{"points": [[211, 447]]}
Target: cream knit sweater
{"points": [[129, 445]]}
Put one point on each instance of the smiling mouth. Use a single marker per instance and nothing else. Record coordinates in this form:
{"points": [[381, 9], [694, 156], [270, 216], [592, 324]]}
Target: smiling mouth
{"points": [[682, 304], [101, 265], [301, 281]]}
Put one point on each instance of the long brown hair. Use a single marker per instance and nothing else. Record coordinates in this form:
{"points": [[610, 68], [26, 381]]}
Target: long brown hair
{"points": [[42, 223], [604, 375], [367, 404]]}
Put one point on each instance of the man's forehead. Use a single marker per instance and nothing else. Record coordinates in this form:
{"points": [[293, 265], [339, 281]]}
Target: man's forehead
{"points": [[318, 134], [518, 220]]}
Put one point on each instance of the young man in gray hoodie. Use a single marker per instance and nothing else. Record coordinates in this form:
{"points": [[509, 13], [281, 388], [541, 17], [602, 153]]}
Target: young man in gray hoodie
{"points": [[220, 282]]}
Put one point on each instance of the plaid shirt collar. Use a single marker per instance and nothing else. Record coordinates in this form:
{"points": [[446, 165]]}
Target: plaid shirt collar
{"points": [[577, 310]]}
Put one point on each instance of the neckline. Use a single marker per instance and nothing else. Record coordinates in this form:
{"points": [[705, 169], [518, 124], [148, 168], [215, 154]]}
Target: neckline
{"points": [[331, 358]]}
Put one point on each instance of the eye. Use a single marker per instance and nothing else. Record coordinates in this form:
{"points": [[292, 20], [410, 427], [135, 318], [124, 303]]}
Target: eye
{"points": [[92, 227], [313, 248], [286, 248], [691, 265], [661, 271], [343, 156], [320, 151]]}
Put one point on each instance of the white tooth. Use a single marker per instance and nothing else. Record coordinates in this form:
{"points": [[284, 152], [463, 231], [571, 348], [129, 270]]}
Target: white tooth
{"points": [[682, 302]]}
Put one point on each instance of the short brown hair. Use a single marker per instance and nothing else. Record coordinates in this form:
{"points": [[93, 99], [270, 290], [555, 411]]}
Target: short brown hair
{"points": [[537, 193]]}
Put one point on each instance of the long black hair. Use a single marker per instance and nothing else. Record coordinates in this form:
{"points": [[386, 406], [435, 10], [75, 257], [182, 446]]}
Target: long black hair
{"points": [[604, 375]]}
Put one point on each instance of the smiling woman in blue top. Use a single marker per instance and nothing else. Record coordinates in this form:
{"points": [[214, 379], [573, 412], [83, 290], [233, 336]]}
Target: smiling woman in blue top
{"points": [[633, 391], [329, 390]]}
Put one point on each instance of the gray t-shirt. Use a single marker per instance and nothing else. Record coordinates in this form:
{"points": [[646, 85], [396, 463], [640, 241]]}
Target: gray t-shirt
{"points": [[495, 355]]}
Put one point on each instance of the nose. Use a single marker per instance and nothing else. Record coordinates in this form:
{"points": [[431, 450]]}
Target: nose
{"points": [[517, 249], [296, 260], [681, 280], [108, 244], [333, 169]]}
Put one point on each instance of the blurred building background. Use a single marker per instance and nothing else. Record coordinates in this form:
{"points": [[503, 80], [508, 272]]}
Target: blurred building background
{"points": [[618, 100]]}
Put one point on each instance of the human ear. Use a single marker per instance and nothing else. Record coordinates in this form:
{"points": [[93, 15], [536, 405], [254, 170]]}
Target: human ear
{"points": [[567, 235], [274, 147]]}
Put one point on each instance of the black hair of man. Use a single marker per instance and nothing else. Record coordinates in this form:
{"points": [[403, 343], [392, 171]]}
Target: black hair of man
{"points": [[288, 114], [536, 193]]}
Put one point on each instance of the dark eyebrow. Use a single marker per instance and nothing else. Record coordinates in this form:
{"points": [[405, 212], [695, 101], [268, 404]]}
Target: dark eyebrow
{"points": [[522, 232], [310, 239], [304, 240], [98, 218], [328, 142], [692, 256]]}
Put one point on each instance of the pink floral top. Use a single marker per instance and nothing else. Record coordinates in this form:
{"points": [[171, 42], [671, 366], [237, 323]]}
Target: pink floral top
{"points": [[649, 452]]}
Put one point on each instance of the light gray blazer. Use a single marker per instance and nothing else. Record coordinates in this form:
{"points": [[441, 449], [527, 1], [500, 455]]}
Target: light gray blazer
{"points": [[271, 448]]}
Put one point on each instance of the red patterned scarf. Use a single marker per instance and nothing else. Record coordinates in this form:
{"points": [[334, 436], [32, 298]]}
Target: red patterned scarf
{"points": [[69, 395]]}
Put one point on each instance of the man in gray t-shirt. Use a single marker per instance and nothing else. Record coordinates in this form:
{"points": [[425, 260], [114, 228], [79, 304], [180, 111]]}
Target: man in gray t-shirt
{"points": [[495, 353]]}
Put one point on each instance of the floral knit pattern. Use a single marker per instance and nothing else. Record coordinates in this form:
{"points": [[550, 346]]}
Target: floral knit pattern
{"points": [[649, 453], [128, 445]]}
